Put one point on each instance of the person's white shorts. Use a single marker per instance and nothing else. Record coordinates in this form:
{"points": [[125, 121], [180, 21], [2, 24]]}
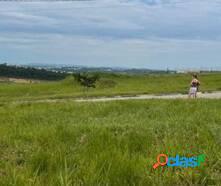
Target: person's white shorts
{"points": [[193, 90]]}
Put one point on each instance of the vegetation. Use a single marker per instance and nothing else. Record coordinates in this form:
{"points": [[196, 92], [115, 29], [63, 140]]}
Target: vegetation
{"points": [[87, 80], [29, 73], [113, 143], [109, 85]]}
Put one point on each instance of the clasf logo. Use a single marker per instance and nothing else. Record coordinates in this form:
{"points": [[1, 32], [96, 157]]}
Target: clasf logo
{"points": [[179, 161]]}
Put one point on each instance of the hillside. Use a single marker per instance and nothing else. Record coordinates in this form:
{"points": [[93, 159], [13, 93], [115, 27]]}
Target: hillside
{"points": [[29, 73]]}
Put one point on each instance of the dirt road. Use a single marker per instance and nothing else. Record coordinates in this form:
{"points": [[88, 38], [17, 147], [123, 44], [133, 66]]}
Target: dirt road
{"points": [[213, 95]]}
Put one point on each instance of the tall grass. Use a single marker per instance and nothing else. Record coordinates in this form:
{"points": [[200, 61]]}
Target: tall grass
{"points": [[109, 85], [114, 143]]}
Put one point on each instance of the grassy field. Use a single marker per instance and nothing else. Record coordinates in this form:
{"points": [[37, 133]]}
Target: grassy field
{"points": [[114, 143], [109, 85]]}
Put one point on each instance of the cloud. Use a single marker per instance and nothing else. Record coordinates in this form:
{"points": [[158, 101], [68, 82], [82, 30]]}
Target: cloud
{"points": [[112, 31], [117, 18]]}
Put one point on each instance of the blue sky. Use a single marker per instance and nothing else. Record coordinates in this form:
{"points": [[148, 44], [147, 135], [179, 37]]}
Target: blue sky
{"points": [[124, 33]]}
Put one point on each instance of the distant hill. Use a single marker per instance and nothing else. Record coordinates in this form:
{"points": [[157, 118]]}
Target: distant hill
{"points": [[78, 68], [29, 73]]}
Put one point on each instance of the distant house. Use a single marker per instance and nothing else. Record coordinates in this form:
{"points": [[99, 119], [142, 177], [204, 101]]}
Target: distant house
{"points": [[187, 71], [181, 72]]}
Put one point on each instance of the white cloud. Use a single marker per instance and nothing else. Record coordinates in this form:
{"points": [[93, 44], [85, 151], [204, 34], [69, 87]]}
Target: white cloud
{"points": [[128, 32]]}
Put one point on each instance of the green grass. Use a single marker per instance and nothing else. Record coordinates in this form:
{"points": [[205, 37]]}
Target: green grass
{"points": [[114, 143], [109, 85]]}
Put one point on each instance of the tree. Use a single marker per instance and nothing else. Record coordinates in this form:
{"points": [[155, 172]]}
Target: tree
{"points": [[87, 80], [30, 73]]}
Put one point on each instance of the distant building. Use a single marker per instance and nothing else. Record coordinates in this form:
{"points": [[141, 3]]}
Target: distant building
{"points": [[187, 71], [181, 72]]}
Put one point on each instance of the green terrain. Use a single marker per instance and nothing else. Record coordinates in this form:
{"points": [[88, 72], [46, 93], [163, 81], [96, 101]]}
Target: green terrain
{"points": [[109, 85], [109, 143]]}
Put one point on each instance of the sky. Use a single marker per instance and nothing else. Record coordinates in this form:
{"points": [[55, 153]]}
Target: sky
{"points": [[154, 34]]}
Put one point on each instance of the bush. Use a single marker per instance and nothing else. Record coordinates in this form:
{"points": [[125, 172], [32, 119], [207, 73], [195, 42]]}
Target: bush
{"points": [[87, 80]]}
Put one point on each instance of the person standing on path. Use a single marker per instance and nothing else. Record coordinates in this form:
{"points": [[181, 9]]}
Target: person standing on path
{"points": [[194, 86]]}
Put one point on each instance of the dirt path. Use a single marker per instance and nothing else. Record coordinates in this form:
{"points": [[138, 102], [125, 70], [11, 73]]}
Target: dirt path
{"points": [[213, 95]]}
